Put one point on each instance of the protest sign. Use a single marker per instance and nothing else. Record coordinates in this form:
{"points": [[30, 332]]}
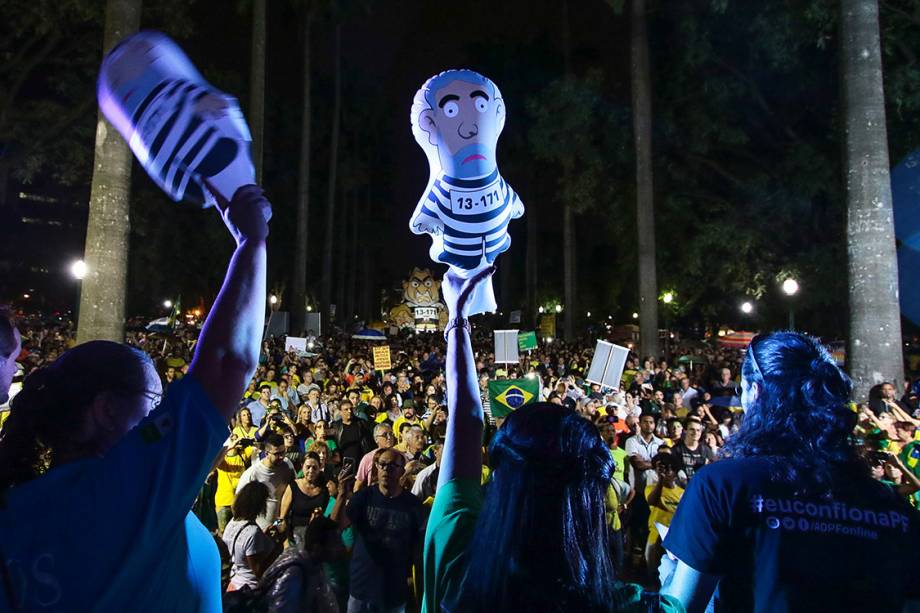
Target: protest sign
{"points": [[607, 365], [382, 358], [506, 346]]}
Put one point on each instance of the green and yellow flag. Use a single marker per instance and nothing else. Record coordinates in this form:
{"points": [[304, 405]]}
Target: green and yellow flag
{"points": [[510, 394]]}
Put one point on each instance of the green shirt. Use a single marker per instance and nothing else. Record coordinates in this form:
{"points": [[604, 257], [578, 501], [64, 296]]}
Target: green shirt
{"points": [[619, 456], [450, 530]]}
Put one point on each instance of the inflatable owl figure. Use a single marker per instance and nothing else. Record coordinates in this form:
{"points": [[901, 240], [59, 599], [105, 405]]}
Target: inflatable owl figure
{"points": [[457, 117], [191, 138]]}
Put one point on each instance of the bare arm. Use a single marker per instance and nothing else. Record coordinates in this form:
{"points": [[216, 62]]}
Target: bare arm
{"points": [[654, 497], [286, 500], [693, 588], [228, 348], [462, 455]]}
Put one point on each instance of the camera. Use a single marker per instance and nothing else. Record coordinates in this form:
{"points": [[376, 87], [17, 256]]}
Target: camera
{"points": [[277, 417], [245, 442]]}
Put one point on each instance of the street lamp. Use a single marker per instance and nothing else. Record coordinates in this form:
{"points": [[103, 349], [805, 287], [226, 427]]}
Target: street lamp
{"points": [[168, 304], [747, 308], [273, 300], [78, 270], [589, 313], [668, 297], [791, 288], [635, 315], [558, 308], [540, 310]]}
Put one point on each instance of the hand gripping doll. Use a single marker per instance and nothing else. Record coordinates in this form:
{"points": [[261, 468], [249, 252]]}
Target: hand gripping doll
{"points": [[190, 138], [456, 119]]}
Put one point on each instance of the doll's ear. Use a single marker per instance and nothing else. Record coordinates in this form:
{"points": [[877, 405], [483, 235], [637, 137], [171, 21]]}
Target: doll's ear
{"points": [[500, 113], [426, 124]]}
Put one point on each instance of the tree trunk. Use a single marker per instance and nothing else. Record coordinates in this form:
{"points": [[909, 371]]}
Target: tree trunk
{"points": [[299, 289], [341, 257], [645, 205], [102, 296], [568, 247], [874, 348], [352, 287], [531, 269], [257, 85], [4, 183], [568, 222], [367, 297], [333, 168]]}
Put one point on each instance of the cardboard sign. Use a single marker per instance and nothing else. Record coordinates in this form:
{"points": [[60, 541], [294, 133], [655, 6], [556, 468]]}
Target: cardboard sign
{"points": [[607, 365], [548, 326], [295, 343], [382, 358], [506, 346]]}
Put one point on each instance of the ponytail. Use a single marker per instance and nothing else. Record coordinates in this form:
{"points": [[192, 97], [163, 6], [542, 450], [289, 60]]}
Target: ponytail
{"points": [[46, 417]]}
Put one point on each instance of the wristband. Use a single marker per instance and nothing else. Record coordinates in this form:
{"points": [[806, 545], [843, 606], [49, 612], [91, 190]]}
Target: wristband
{"points": [[457, 322]]}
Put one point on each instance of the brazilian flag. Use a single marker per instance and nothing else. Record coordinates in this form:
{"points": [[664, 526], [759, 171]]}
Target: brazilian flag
{"points": [[510, 394]]}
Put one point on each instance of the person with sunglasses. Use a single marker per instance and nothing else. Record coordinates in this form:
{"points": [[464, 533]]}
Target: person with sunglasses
{"points": [[96, 461], [388, 523]]}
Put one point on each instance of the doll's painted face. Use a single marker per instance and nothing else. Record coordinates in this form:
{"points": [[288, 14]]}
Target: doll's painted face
{"points": [[464, 125]]}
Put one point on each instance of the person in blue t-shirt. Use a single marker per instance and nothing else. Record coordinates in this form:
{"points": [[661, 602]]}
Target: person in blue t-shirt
{"points": [[792, 519], [97, 464]]}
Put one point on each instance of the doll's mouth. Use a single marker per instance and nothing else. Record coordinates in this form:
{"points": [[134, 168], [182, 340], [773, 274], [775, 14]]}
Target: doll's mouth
{"points": [[470, 158]]}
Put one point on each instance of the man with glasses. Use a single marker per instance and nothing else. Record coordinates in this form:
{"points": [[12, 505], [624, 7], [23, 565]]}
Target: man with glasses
{"points": [[384, 439], [388, 525], [692, 453], [275, 471]]}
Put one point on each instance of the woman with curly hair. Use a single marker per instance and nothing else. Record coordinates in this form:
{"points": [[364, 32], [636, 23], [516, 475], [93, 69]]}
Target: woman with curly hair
{"points": [[792, 519]]}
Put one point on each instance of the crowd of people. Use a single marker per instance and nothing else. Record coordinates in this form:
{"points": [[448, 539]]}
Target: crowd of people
{"points": [[318, 482], [330, 456]]}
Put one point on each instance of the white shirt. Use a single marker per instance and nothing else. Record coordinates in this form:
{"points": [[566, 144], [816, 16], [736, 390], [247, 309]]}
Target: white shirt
{"points": [[636, 446]]}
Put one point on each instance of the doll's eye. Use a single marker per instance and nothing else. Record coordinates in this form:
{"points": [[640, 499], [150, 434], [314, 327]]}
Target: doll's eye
{"points": [[451, 109]]}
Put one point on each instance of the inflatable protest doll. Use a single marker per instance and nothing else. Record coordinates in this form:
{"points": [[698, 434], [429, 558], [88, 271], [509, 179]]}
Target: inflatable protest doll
{"points": [[190, 138], [456, 118]]}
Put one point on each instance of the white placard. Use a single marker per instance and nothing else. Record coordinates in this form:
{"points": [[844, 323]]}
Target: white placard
{"points": [[506, 346], [295, 343], [607, 365]]}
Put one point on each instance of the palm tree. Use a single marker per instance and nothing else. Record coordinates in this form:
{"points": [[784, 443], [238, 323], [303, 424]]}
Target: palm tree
{"points": [[257, 85], [102, 299], [645, 204], [326, 293], [874, 346], [299, 290]]}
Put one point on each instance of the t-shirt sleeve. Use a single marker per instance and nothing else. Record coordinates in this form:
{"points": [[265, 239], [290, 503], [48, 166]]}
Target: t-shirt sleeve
{"points": [[156, 471], [450, 528], [356, 507], [700, 533], [256, 541]]}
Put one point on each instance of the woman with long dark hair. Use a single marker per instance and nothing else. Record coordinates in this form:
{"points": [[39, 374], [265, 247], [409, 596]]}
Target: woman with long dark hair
{"points": [[96, 462], [792, 520], [537, 538]]}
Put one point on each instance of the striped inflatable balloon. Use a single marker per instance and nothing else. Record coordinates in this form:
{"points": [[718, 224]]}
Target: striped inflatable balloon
{"points": [[190, 137]]}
